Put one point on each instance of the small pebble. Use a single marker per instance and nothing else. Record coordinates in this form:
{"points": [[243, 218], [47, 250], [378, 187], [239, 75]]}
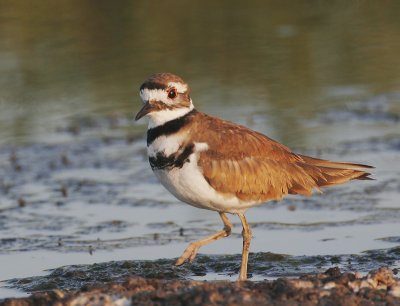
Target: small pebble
{"points": [[329, 285], [21, 202], [395, 290]]}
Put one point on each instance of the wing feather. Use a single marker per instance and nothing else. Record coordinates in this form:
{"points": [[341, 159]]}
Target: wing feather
{"points": [[243, 163]]}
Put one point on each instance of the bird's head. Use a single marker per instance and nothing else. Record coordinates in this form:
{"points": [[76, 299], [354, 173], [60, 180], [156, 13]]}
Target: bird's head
{"points": [[165, 97]]}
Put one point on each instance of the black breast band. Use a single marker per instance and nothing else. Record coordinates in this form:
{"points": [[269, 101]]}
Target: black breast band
{"points": [[168, 128]]}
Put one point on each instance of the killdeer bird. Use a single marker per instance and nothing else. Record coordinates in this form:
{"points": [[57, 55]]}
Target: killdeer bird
{"points": [[218, 165]]}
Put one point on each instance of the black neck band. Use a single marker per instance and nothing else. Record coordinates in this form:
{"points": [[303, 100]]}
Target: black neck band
{"points": [[168, 128]]}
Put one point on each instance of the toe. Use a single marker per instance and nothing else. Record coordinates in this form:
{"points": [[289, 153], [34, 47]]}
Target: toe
{"points": [[180, 261]]}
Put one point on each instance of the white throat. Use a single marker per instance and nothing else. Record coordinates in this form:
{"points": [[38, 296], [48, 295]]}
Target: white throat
{"points": [[163, 116]]}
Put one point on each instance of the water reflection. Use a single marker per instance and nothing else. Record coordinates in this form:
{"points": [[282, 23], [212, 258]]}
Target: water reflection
{"points": [[67, 58]]}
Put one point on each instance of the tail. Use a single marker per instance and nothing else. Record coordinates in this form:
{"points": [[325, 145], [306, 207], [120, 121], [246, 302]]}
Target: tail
{"points": [[327, 173]]}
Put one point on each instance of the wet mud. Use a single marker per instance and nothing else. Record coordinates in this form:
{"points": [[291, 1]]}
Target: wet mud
{"points": [[261, 266], [332, 287]]}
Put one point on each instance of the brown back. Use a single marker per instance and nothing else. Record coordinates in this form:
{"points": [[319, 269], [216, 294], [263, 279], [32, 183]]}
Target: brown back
{"points": [[253, 167]]}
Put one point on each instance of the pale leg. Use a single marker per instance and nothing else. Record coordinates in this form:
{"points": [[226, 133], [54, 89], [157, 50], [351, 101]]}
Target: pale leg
{"points": [[246, 233], [190, 253]]}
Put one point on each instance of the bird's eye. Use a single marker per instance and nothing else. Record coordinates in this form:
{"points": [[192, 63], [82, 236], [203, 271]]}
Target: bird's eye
{"points": [[172, 93]]}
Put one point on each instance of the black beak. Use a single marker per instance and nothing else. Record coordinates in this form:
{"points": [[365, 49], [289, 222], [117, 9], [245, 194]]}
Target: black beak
{"points": [[147, 108]]}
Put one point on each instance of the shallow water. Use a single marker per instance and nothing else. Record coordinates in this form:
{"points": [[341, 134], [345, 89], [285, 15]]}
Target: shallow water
{"points": [[75, 185]]}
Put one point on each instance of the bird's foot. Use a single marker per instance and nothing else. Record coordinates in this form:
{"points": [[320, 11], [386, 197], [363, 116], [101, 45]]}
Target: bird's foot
{"points": [[189, 254]]}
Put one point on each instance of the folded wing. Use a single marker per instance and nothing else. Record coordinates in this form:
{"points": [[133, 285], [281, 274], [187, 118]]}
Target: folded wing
{"points": [[254, 167]]}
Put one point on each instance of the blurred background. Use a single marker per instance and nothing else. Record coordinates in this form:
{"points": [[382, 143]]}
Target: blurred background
{"points": [[322, 77], [283, 60]]}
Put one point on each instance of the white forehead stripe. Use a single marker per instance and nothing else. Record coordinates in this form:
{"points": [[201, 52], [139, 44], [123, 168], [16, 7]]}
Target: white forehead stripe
{"points": [[181, 88], [153, 94]]}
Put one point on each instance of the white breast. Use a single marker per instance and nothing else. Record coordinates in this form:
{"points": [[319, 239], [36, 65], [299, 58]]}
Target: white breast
{"points": [[165, 144], [189, 185]]}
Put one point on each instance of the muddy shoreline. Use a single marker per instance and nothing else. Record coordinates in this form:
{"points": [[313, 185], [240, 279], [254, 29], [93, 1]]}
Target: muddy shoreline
{"points": [[274, 279], [333, 287]]}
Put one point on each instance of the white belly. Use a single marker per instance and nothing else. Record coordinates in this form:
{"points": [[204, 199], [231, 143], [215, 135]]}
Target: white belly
{"points": [[189, 185]]}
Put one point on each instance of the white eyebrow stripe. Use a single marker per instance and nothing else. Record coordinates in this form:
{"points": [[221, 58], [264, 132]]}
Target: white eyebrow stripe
{"points": [[181, 88], [153, 94]]}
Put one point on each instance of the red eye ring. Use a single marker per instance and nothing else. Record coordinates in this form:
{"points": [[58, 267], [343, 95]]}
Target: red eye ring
{"points": [[172, 93]]}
